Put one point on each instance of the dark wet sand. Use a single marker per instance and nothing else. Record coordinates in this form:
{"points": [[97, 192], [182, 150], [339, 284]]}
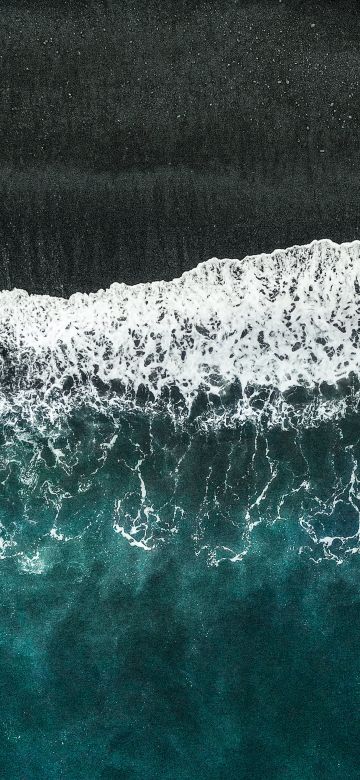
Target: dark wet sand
{"points": [[137, 139]]}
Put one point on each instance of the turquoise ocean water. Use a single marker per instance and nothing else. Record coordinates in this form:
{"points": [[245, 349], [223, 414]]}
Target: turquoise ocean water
{"points": [[180, 572]]}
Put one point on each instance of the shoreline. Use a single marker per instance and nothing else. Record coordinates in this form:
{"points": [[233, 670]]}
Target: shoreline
{"points": [[64, 231]]}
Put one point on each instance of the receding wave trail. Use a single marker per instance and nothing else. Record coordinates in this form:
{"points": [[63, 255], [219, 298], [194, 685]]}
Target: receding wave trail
{"points": [[280, 320]]}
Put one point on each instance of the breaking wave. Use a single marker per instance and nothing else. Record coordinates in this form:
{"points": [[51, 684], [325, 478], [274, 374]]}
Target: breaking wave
{"points": [[280, 321]]}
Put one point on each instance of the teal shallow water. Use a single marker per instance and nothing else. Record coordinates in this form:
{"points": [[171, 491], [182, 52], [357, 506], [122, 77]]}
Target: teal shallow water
{"points": [[179, 600], [179, 524]]}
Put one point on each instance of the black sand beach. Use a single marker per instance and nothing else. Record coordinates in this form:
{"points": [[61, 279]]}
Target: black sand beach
{"points": [[138, 139]]}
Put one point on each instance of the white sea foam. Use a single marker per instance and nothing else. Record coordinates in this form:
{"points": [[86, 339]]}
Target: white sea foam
{"points": [[283, 319]]}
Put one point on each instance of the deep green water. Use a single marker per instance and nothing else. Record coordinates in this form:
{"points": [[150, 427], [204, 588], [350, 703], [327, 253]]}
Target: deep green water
{"points": [[228, 649]]}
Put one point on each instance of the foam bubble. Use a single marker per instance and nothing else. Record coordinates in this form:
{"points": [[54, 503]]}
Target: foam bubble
{"points": [[286, 319]]}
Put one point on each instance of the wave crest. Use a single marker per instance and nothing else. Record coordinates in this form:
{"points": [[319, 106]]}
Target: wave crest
{"points": [[290, 318]]}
